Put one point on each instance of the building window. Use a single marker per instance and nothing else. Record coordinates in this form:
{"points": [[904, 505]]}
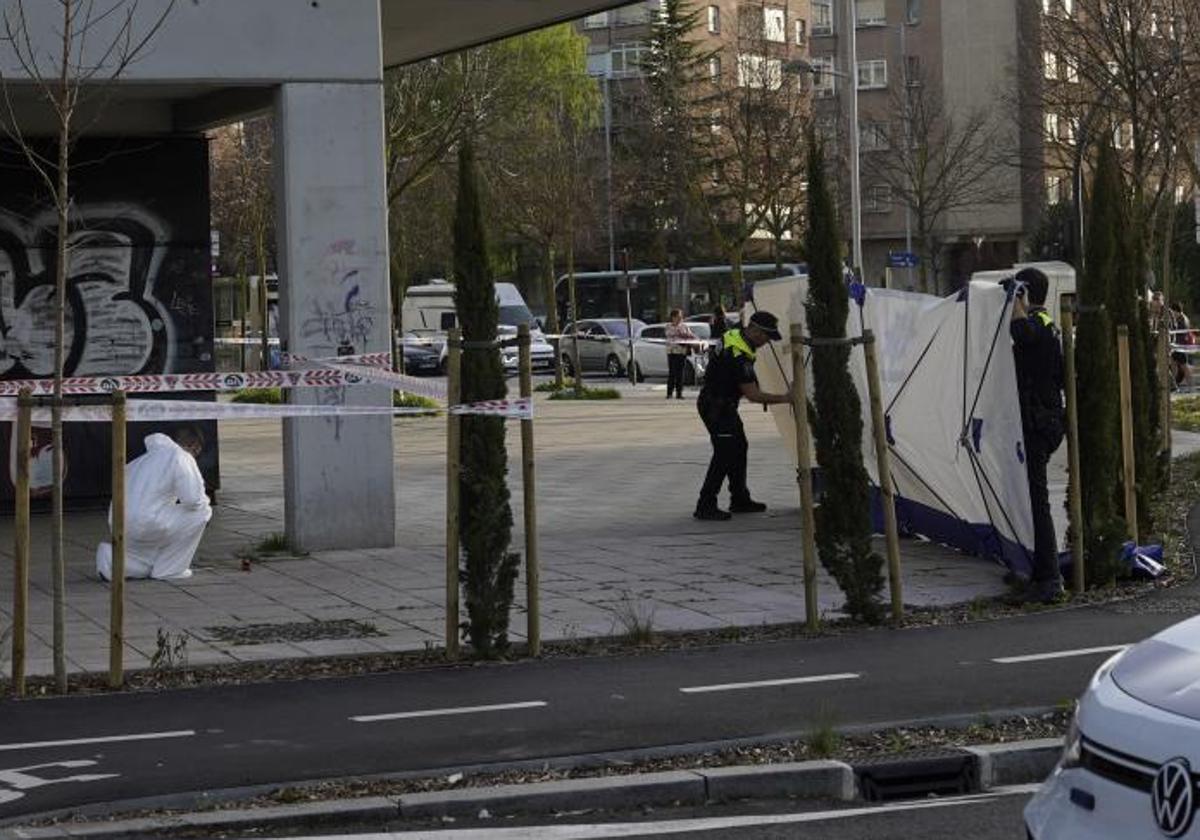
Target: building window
{"points": [[878, 199], [872, 75], [1054, 189], [1050, 121], [870, 13], [714, 19], [627, 59], [756, 71], [913, 11], [912, 70], [774, 25], [824, 82], [822, 17], [714, 120], [1123, 136], [1049, 65], [801, 27], [873, 137], [1068, 7], [596, 21], [714, 67]]}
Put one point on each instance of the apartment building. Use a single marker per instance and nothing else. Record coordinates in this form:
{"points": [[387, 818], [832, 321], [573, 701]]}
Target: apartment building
{"points": [[970, 54], [619, 40]]}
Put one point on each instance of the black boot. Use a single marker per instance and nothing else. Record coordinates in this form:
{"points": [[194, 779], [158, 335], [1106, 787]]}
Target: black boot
{"points": [[711, 513], [746, 505]]}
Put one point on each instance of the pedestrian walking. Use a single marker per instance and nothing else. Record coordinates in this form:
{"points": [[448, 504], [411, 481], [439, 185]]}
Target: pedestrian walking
{"points": [[729, 378], [1181, 337], [679, 336], [1039, 362], [719, 324]]}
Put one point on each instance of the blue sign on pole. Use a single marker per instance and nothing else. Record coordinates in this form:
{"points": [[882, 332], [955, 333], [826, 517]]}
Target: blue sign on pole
{"points": [[902, 259]]}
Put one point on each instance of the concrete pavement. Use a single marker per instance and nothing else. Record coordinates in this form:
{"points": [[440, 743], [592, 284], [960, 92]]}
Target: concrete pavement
{"points": [[616, 485]]}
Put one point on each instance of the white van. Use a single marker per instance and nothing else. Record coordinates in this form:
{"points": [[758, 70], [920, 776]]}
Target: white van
{"points": [[428, 313], [1060, 274]]}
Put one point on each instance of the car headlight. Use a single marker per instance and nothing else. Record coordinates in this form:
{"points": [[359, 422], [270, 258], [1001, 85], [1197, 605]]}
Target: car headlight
{"points": [[1071, 745]]}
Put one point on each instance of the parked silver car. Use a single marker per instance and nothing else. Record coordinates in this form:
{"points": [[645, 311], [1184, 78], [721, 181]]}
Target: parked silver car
{"points": [[650, 353], [603, 345]]}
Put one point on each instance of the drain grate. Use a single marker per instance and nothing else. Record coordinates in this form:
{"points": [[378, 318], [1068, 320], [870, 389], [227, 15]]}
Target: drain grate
{"points": [[940, 772], [296, 631]]}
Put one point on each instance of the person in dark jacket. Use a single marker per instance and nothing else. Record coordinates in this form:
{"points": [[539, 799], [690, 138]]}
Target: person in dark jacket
{"points": [[729, 378], [1039, 363]]}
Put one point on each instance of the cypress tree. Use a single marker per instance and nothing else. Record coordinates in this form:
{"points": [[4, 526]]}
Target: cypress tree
{"points": [[844, 517], [1096, 368], [486, 521]]}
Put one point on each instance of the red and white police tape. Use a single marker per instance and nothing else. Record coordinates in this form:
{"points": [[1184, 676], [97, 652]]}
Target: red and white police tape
{"points": [[165, 410]]}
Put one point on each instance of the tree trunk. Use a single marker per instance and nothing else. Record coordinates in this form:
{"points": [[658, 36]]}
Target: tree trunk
{"points": [[574, 315], [552, 315], [63, 202], [735, 265]]}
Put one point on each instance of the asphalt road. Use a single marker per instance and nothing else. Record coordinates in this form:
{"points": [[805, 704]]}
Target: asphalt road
{"points": [[67, 752]]}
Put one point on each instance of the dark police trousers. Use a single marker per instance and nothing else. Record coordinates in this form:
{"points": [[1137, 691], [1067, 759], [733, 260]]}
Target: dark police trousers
{"points": [[1045, 549], [729, 452]]}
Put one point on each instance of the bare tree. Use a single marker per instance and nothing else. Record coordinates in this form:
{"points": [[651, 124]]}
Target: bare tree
{"points": [[243, 206], [1125, 68], [73, 78], [935, 162], [754, 140]]}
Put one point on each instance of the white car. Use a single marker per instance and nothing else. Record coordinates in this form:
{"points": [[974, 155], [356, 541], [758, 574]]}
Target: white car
{"points": [[650, 353], [603, 345], [1130, 765]]}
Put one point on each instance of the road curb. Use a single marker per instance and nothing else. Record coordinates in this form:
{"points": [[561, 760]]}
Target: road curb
{"points": [[990, 765]]}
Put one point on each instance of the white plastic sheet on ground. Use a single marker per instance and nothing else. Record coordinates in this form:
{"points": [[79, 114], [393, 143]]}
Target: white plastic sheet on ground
{"points": [[950, 398], [165, 513]]}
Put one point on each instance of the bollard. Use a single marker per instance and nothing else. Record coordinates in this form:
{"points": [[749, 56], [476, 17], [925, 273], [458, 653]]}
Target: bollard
{"points": [[1130, 468], [887, 489], [116, 637], [1074, 488], [23, 431], [453, 456], [532, 570], [808, 525]]}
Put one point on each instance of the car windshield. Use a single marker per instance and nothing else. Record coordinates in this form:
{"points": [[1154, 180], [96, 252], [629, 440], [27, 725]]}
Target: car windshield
{"points": [[617, 329], [514, 316]]}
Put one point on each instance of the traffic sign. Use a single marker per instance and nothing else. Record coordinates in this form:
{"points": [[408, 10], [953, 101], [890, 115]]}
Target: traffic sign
{"points": [[902, 259]]}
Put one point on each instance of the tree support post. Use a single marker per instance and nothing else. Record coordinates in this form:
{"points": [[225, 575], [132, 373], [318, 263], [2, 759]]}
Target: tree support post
{"points": [[1164, 370], [1074, 488], [453, 457], [887, 489], [532, 568], [1130, 468], [808, 525], [21, 541], [116, 639]]}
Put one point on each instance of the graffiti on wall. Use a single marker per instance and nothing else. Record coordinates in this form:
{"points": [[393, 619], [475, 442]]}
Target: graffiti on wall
{"points": [[138, 286]]}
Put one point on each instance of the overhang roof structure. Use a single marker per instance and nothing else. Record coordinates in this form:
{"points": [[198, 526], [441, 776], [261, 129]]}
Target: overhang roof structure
{"points": [[420, 29]]}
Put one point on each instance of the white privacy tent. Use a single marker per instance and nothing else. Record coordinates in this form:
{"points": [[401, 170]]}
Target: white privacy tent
{"points": [[950, 402]]}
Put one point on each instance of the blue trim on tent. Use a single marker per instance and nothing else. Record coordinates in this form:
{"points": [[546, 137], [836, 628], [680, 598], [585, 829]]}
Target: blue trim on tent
{"points": [[979, 538]]}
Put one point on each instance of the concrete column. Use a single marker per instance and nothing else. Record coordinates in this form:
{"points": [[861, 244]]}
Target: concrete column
{"points": [[334, 299]]}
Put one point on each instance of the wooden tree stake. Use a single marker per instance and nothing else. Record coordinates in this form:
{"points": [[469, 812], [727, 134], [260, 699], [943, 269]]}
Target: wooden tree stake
{"points": [[116, 641], [1130, 468], [453, 470], [532, 569], [1074, 488], [887, 489], [20, 623], [808, 524]]}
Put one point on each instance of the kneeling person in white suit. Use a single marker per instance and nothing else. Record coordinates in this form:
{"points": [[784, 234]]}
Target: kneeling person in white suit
{"points": [[165, 510]]}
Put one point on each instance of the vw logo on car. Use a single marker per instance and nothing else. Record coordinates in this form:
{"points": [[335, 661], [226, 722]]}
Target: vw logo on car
{"points": [[1172, 798]]}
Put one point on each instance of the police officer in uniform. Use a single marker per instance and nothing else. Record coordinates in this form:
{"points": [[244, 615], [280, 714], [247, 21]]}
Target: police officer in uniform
{"points": [[729, 378], [1039, 363]]}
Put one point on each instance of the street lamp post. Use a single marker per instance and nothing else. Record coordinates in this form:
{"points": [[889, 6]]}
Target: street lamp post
{"points": [[800, 66]]}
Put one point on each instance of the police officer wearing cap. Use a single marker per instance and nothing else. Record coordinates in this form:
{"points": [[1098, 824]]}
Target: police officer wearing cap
{"points": [[729, 378], [1039, 362]]}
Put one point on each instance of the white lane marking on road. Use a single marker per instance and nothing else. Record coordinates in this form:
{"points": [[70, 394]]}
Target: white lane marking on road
{"points": [[819, 678], [1057, 654], [102, 739], [650, 829], [460, 710], [21, 780]]}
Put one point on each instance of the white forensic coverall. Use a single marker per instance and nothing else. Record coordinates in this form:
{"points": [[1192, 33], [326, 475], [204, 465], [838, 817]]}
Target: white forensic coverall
{"points": [[165, 513]]}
